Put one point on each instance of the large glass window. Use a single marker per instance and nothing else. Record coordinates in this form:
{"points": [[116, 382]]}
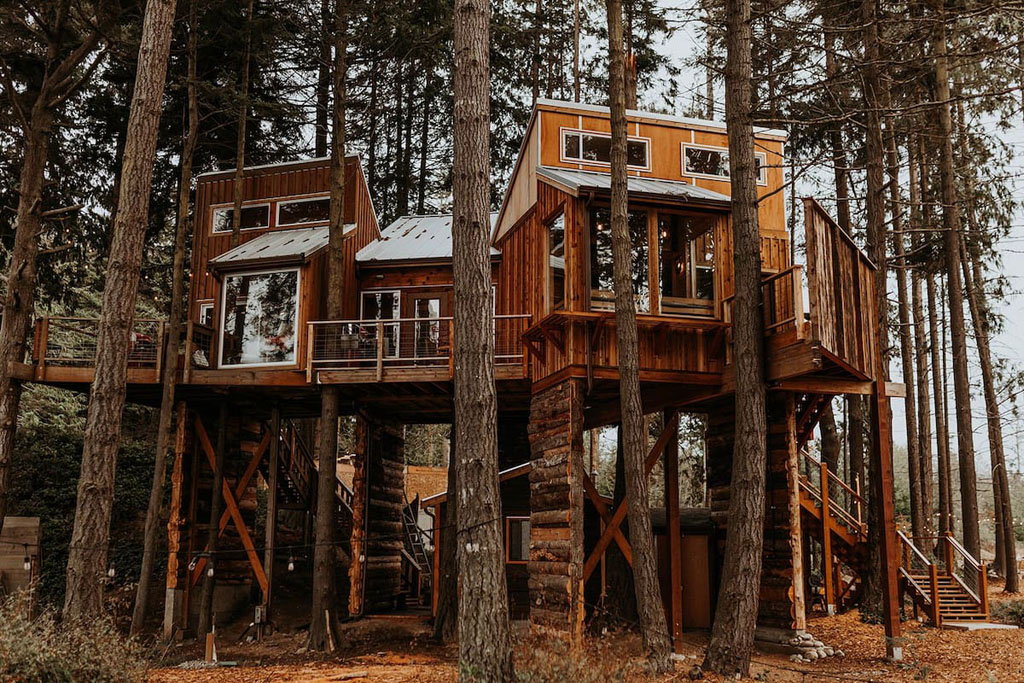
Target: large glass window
{"points": [[713, 162], [299, 211], [686, 263], [556, 261], [592, 147], [260, 318], [602, 289], [427, 333], [383, 305], [256, 216]]}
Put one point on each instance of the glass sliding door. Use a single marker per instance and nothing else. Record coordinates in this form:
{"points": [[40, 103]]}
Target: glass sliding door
{"points": [[260, 318], [382, 305], [602, 288], [427, 331]]}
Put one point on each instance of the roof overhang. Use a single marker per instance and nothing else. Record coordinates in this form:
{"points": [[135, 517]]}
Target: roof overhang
{"points": [[277, 248], [581, 183]]}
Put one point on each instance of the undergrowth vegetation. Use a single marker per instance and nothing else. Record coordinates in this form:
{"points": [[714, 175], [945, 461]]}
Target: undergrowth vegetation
{"points": [[43, 649], [1009, 612], [540, 659]]}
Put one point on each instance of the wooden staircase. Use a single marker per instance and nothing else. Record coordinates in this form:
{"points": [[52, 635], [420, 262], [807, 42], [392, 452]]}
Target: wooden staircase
{"points": [[938, 591], [417, 563], [298, 477]]}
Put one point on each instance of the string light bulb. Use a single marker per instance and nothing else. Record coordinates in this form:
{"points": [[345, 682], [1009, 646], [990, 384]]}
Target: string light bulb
{"points": [[111, 572], [209, 570], [291, 563], [27, 562]]}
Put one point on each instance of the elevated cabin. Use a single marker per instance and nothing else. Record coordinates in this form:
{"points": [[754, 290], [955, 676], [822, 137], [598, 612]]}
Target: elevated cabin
{"points": [[258, 350]]}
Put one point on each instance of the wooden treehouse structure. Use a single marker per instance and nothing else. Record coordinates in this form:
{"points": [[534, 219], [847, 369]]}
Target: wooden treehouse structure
{"points": [[257, 350]]}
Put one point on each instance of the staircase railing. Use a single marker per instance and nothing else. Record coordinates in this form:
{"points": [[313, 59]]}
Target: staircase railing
{"points": [[300, 464], [836, 497], [975, 573], [914, 565]]}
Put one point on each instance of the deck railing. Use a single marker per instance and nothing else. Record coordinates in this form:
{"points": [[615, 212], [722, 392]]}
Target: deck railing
{"points": [[921, 575], [200, 348], [63, 341], [402, 343], [782, 301]]}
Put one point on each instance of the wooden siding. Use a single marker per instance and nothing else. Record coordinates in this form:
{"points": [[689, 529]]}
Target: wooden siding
{"points": [[270, 185]]}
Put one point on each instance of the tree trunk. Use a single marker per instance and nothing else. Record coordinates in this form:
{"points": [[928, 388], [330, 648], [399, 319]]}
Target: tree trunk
{"points": [[323, 81], [918, 520], [941, 427], [169, 368], [21, 281], [958, 334], [87, 556], [323, 628], [238, 187], [829, 439], [1000, 481], [634, 433], [207, 619], [732, 636], [924, 415], [485, 641]]}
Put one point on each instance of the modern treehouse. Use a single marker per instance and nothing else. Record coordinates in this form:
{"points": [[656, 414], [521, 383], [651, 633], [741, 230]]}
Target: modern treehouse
{"points": [[258, 349]]}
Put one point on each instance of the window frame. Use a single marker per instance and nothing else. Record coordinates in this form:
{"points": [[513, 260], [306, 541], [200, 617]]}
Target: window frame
{"points": [[508, 538], [210, 304], [549, 287], [762, 176], [691, 267], [648, 210], [563, 132], [397, 323], [223, 314], [300, 200], [228, 207]]}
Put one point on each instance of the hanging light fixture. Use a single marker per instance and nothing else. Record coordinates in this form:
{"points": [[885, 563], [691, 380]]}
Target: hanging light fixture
{"points": [[27, 562], [111, 572], [291, 563]]}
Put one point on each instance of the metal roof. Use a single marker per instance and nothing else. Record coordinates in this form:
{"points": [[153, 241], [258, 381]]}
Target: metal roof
{"points": [[414, 238], [278, 247], [575, 181]]}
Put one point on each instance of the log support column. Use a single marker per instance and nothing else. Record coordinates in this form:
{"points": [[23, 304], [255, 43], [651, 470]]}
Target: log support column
{"points": [[556, 504], [174, 592], [270, 529], [377, 531]]}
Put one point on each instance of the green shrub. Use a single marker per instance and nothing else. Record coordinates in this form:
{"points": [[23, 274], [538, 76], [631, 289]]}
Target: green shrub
{"points": [[1009, 612], [42, 649]]}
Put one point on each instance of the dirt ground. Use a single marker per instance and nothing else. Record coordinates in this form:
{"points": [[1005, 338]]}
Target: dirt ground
{"points": [[399, 649]]}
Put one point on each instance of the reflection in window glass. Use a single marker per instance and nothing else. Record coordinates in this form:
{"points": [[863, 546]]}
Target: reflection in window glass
{"points": [[383, 306], [602, 294], [556, 261], [686, 261], [252, 217], [260, 317], [597, 147], [518, 548], [715, 162], [427, 335], [304, 211]]}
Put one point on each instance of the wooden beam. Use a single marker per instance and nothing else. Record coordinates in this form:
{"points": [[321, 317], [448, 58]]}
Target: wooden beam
{"points": [[824, 385], [606, 516], [675, 541], [881, 455], [620, 512], [270, 532], [895, 389]]}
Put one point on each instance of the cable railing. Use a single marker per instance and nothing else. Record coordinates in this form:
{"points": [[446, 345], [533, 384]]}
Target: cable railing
{"points": [[63, 341], [837, 497], [404, 343]]}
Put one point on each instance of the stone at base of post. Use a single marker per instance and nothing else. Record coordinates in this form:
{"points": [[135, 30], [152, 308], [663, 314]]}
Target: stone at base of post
{"points": [[173, 600], [895, 653], [830, 610]]}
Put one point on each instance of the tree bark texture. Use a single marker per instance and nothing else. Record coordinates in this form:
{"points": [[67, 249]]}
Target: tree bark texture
{"points": [[732, 635], [169, 368], [958, 335], [238, 187], [87, 556], [830, 446], [653, 627], [941, 427], [485, 641], [446, 621], [323, 629]]}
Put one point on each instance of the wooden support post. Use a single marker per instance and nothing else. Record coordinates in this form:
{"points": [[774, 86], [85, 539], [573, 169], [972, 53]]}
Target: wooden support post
{"points": [[881, 454], [380, 350], [44, 340], [186, 368], [947, 554], [936, 606], [357, 567], [310, 335], [270, 533], [675, 543], [435, 578], [826, 545], [172, 599]]}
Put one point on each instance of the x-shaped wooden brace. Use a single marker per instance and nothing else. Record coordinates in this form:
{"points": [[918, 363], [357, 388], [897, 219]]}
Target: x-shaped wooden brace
{"points": [[613, 521], [231, 505]]}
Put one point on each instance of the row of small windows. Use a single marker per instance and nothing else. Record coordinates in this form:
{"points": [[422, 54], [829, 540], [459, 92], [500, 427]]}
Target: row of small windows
{"points": [[292, 212], [593, 148]]}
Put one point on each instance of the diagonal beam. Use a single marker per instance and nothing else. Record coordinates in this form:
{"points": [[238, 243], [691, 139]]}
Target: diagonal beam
{"points": [[671, 428], [234, 513], [606, 515]]}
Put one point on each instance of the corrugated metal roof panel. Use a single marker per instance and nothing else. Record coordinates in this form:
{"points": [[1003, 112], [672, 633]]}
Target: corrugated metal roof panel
{"points": [[295, 245], [592, 180], [414, 238]]}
